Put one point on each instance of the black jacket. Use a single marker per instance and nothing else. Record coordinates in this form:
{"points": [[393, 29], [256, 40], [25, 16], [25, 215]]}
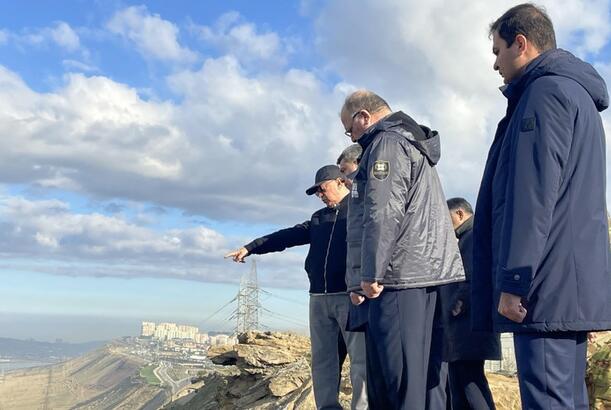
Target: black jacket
{"points": [[326, 234], [399, 232], [462, 343], [540, 228]]}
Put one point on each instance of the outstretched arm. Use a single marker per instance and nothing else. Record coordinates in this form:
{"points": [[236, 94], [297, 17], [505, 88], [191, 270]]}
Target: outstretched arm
{"points": [[274, 242]]}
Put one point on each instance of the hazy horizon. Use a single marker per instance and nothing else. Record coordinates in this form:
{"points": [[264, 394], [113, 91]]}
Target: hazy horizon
{"points": [[82, 329]]}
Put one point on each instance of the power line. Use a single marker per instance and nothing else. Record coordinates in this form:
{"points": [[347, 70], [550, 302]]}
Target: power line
{"points": [[268, 293], [284, 317], [219, 309]]}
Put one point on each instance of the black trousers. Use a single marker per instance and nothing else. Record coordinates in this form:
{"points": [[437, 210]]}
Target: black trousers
{"points": [[551, 370], [398, 346], [437, 394], [468, 385]]}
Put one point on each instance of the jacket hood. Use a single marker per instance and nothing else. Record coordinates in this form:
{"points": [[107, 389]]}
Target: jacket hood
{"points": [[423, 138], [559, 62]]}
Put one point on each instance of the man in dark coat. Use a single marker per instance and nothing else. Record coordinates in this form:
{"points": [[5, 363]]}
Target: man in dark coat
{"points": [[541, 244], [325, 264], [465, 349], [401, 245]]}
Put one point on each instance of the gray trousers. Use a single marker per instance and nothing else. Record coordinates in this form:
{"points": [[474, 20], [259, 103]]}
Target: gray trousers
{"points": [[328, 317]]}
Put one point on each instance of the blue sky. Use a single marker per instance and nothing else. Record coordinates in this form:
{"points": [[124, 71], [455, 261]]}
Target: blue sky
{"points": [[141, 141]]}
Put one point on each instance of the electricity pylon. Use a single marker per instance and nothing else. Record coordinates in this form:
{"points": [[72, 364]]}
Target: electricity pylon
{"points": [[247, 313]]}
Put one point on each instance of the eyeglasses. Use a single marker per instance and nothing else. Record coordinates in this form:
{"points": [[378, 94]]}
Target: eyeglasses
{"points": [[348, 132]]}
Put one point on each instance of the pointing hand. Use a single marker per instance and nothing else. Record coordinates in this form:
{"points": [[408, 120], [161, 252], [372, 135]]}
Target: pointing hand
{"points": [[238, 255]]}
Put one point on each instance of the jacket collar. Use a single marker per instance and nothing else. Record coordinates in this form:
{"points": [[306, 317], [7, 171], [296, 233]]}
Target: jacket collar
{"points": [[465, 227], [372, 131], [340, 206]]}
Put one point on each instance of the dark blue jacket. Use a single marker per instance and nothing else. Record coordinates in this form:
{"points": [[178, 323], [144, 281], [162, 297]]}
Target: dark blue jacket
{"points": [[325, 232], [540, 227], [462, 343]]}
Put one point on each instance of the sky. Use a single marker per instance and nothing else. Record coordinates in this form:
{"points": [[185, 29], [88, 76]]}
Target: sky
{"points": [[142, 141]]}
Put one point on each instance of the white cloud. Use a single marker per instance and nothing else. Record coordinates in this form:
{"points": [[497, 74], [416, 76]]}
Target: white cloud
{"points": [[52, 224], [229, 150], [153, 36], [92, 122], [99, 245], [79, 66], [63, 35], [59, 34], [582, 26], [242, 40]]}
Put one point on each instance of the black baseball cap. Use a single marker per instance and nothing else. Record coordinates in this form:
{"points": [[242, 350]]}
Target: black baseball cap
{"points": [[326, 173]]}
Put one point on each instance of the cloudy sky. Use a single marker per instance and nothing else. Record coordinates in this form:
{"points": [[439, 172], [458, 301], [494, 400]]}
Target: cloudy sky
{"points": [[140, 142]]}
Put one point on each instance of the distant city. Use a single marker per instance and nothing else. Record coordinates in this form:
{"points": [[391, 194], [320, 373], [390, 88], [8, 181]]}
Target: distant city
{"points": [[168, 331]]}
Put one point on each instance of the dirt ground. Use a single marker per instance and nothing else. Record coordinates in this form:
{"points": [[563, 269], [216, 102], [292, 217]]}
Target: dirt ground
{"points": [[505, 391]]}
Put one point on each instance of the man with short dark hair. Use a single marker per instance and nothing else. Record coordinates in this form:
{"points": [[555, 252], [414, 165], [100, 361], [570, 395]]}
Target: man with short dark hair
{"points": [[401, 245], [541, 244], [465, 349], [348, 161], [325, 264]]}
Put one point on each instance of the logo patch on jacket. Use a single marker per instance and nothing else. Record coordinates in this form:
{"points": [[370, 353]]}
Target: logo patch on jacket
{"points": [[528, 124], [354, 192], [380, 170]]}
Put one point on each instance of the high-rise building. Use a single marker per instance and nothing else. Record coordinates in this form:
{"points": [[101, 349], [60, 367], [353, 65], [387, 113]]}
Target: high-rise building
{"points": [[148, 329], [169, 331]]}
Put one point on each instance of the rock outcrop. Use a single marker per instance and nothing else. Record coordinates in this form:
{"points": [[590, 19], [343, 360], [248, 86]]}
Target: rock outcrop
{"points": [[263, 371]]}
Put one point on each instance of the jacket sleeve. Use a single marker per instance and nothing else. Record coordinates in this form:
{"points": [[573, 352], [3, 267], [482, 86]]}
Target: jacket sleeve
{"points": [[542, 139], [280, 240], [384, 205], [463, 291]]}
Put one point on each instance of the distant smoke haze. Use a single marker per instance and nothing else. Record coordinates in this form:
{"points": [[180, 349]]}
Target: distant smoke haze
{"points": [[73, 329]]}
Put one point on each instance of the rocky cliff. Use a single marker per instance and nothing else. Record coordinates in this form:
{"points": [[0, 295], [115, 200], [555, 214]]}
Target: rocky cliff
{"points": [[264, 371]]}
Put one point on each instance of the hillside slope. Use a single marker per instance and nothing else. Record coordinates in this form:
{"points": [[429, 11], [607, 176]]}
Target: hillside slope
{"points": [[106, 378]]}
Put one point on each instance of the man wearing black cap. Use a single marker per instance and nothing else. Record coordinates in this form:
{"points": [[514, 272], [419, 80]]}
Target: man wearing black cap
{"points": [[325, 264]]}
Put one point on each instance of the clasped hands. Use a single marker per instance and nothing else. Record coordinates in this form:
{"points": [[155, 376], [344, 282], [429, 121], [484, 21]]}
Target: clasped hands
{"points": [[370, 289]]}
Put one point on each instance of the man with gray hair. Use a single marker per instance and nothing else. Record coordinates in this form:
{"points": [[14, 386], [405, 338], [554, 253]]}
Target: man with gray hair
{"points": [[401, 245]]}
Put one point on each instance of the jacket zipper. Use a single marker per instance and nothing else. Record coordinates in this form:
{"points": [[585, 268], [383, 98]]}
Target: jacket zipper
{"points": [[328, 248]]}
